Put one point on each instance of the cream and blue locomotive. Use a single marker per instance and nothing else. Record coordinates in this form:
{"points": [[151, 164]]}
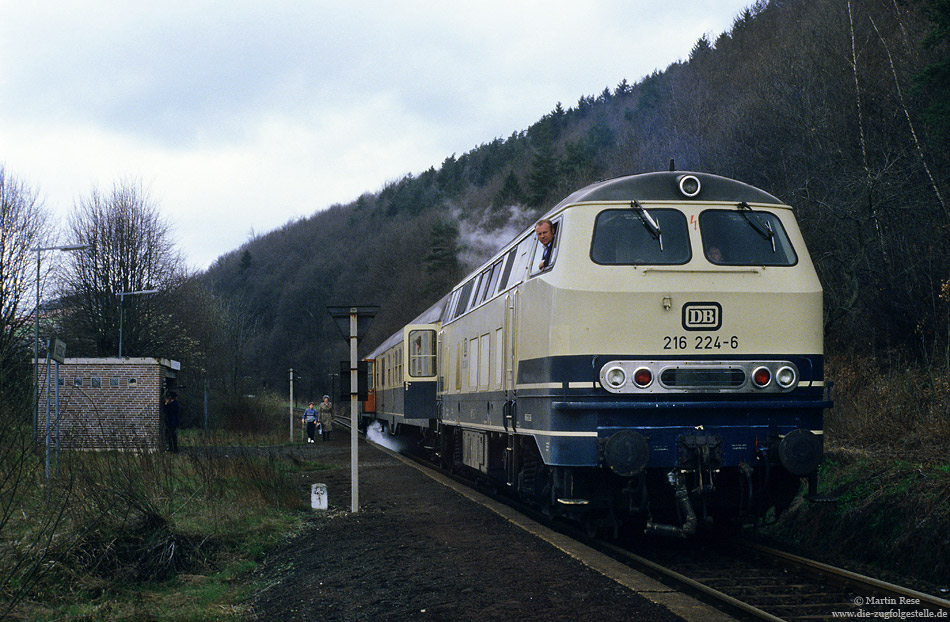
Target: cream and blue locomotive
{"points": [[663, 372]]}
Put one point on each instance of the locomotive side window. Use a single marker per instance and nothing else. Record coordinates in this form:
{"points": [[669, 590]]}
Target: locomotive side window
{"points": [[482, 287], [493, 280], [745, 238], [631, 237], [519, 262], [509, 262], [450, 307], [463, 299]]}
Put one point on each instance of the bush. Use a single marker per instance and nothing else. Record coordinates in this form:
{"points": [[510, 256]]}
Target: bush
{"points": [[112, 520], [897, 409]]}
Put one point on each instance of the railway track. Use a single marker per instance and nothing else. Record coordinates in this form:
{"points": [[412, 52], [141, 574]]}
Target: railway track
{"points": [[749, 580], [758, 582]]}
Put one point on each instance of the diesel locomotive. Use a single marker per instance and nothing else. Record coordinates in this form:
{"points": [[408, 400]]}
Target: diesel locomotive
{"points": [[661, 372]]}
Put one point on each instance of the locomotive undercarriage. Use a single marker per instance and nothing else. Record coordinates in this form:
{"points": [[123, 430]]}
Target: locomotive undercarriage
{"points": [[698, 495]]}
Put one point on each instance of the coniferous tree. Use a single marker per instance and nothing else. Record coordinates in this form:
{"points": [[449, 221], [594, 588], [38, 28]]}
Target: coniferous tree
{"points": [[543, 175], [442, 265]]}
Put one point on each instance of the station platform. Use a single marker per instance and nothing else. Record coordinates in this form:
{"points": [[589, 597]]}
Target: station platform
{"points": [[422, 547]]}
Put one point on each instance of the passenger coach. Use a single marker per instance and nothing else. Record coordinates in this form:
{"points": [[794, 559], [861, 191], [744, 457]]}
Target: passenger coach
{"points": [[663, 372]]}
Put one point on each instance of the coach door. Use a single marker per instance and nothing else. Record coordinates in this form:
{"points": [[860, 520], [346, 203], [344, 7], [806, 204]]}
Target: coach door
{"points": [[420, 378]]}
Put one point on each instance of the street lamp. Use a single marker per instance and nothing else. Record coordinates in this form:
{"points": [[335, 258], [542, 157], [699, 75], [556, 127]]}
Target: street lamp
{"points": [[36, 325], [122, 296]]}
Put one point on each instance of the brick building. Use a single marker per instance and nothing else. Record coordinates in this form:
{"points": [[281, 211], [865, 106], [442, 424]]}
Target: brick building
{"points": [[107, 403]]}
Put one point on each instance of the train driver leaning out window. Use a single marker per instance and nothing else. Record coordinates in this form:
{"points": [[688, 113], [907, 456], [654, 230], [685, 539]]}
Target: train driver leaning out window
{"points": [[545, 232]]}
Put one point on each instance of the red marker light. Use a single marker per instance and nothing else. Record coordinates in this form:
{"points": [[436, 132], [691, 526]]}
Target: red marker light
{"points": [[642, 377], [761, 377]]}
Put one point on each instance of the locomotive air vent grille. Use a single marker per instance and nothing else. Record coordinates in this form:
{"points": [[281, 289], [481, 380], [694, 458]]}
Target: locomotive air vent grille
{"points": [[703, 378]]}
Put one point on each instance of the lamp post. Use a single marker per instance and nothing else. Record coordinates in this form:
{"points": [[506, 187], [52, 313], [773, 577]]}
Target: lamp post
{"points": [[36, 325], [122, 296]]}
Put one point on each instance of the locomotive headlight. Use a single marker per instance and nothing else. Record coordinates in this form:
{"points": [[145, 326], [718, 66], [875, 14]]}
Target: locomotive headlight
{"points": [[689, 185], [761, 377], [615, 377], [642, 377], [786, 377]]}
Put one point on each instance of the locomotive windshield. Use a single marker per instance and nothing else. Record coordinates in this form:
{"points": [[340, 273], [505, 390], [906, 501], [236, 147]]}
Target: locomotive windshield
{"points": [[745, 238], [621, 238]]}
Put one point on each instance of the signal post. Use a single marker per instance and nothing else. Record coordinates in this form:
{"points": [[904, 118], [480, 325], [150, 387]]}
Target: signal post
{"points": [[357, 319]]}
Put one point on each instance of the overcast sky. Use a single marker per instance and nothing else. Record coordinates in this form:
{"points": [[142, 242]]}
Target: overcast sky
{"points": [[240, 116]]}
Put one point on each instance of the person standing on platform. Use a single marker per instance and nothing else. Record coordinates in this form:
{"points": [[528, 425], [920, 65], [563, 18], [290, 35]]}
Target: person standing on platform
{"points": [[310, 418], [326, 417], [172, 414]]}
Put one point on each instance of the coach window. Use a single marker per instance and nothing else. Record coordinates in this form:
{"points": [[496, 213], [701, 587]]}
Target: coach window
{"points": [[400, 372], [422, 353], [639, 237], [539, 250], [745, 238]]}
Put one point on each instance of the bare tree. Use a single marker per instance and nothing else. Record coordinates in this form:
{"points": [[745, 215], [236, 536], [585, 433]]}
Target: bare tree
{"points": [[133, 251], [23, 227]]}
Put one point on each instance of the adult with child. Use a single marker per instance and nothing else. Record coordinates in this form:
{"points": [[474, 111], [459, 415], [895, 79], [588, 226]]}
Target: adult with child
{"points": [[325, 417]]}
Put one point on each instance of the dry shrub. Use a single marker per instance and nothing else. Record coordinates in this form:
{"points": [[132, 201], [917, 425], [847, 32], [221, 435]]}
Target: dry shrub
{"points": [[903, 409], [887, 469], [137, 516]]}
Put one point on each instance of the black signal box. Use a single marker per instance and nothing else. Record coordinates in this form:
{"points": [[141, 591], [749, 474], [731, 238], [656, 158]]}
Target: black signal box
{"points": [[362, 384]]}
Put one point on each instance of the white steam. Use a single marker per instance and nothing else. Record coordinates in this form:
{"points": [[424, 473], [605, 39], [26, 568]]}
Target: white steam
{"points": [[482, 235], [376, 434]]}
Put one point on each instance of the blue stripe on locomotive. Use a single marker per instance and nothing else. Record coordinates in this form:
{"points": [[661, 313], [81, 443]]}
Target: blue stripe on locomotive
{"points": [[744, 421]]}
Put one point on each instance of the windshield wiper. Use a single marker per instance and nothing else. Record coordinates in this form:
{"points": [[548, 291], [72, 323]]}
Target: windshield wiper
{"points": [[762, 227], [648, 222]]}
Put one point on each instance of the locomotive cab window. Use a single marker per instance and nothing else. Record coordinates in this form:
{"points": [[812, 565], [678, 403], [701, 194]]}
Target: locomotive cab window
{"points": [[640, 237], [538, 264], [745, 238]]}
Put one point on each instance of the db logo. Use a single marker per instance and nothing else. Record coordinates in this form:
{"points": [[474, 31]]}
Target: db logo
{"points": [[702, 316]]}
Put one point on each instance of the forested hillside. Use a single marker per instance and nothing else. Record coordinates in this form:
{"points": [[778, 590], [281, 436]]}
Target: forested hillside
{"points": [[839, 107]]}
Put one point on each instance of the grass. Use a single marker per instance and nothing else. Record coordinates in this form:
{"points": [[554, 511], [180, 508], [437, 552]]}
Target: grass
{"points": [[151, 536]]}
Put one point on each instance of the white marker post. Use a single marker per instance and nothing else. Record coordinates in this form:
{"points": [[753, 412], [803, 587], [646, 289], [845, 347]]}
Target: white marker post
{"points": [[358, 319]]}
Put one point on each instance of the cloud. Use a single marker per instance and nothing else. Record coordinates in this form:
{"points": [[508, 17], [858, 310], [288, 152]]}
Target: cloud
{"points": [[244, 116]]}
